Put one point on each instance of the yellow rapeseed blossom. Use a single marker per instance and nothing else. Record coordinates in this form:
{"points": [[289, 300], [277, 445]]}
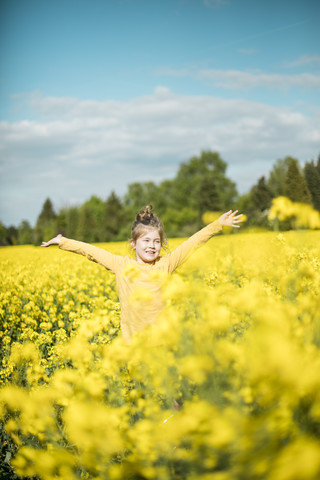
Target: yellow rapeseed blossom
{"points": [[225, 385], [304, 215]]}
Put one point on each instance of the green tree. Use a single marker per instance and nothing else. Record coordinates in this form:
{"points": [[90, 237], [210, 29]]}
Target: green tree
{"points": [[180, 222], [296, 188], [61, 222], [67, 221], [201, 184], [164, 196], [90, 227], [318, 165], [277, 177], [72, 219], [3, 235], [86, 225], [261, 195], [47, 213], [209, 196], [208, 169], [139, 195], [245, 205], [25, 233], [114, 218], [12, 235], [46, 224], [312, 176], [256, 204]]}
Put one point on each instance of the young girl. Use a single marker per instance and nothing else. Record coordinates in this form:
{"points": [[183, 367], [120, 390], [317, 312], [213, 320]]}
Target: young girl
{"points": [[139, 286]]}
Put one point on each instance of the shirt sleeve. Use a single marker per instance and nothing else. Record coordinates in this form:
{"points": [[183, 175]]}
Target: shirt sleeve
{"points": [[95, 254], [181, 253]]}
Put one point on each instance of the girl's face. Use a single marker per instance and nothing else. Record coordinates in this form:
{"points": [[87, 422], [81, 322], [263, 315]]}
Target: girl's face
{"points": [[147, 246]]}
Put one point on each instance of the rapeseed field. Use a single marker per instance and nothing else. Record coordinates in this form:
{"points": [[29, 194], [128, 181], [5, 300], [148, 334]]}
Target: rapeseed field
{"points": [[226, 385]]}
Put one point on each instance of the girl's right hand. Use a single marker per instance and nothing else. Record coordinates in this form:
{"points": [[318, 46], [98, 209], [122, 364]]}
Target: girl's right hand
{"points": [[53, 241]]}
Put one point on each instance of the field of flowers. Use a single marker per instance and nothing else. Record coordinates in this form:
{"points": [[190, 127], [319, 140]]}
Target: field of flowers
{"points": [[226, 386]]}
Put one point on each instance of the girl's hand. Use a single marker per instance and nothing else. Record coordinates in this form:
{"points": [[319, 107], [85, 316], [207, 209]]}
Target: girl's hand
{"points": [[53, 241], [230, 219]]}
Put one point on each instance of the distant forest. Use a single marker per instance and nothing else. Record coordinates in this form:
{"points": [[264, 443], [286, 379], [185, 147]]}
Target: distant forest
{"points": [[201, 185]]}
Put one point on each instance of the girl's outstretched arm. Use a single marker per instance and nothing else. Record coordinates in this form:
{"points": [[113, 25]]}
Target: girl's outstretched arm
{"points": [[53, 241], [180, 254], [96, 254], [230, 219]]}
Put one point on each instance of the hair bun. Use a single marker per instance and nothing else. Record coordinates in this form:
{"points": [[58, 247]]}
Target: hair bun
{"points": [[145, 214], [145, 219]]}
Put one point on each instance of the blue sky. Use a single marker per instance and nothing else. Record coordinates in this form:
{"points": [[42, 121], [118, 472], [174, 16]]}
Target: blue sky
{"points": [[96, 94]]}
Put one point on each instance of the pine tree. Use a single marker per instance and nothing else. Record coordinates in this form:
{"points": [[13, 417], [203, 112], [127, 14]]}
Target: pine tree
{"points": [[296, 188], [47, 213], [46, 224], [318, 165], [261, 195], [312, 176], [277, 177], [86, 227], [114, 217], [3, 235], [72, 217]]}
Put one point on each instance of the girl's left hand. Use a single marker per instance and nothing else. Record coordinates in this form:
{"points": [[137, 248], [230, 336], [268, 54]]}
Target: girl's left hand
{"points": [[53, 241], [231, 219]]}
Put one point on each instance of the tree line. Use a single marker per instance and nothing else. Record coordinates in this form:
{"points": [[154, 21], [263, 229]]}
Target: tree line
{"points": [[200, 185]]}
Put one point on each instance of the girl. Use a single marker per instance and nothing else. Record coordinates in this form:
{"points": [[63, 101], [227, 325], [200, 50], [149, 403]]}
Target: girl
{"points": [[139, 280]]}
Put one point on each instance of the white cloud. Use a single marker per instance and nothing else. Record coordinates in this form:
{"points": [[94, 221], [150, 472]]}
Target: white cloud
{"points": [[79, 148], [235, 79], [245, 80], [304, 60]]}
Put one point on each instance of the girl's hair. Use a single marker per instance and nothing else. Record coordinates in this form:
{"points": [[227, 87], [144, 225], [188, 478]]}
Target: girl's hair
{"points": [[146, 219]]}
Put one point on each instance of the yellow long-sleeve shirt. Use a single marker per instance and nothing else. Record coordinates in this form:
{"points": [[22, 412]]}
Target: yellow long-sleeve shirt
{"points": [[138, 285]]}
